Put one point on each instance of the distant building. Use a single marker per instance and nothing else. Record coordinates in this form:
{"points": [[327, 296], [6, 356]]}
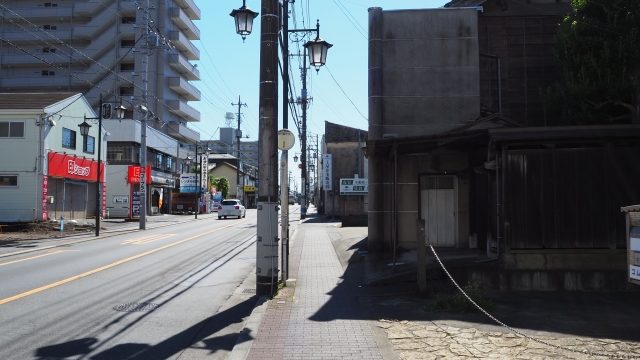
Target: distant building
{"points": [[110, 59], [342, 158], [48, 169]]}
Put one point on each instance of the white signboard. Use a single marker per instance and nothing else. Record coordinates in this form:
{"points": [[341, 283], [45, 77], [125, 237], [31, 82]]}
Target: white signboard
{"points": [[634, 272], [326, 172], [204, 167], [354, 186]]}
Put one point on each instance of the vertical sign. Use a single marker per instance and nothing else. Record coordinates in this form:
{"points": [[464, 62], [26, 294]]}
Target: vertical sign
{"points": [[135, 204], [204, 173], [326, 172], [45, 193], [104, 200]]}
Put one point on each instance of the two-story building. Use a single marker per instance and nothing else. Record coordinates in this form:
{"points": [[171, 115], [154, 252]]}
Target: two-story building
{"points": [[49, 171]]}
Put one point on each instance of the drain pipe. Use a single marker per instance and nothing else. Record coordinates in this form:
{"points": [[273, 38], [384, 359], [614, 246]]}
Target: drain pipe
{"points": [[395, 203]]}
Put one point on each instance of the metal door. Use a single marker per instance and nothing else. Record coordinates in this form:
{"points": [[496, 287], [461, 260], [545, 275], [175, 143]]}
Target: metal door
{"points": [[438, 194]]}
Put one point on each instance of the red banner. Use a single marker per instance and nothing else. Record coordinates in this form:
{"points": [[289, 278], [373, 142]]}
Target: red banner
{"points": [[133, 174], [73, 167]]}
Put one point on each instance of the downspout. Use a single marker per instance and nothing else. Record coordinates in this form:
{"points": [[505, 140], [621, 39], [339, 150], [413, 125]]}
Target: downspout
{"points": [[395, 203], [375, 214], [499, 198]]}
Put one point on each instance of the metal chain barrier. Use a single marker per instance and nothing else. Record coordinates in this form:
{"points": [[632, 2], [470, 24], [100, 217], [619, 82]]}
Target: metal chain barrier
{"points": [[518, 332]]}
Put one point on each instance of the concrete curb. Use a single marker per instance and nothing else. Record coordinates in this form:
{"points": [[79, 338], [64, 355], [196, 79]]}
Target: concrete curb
{"points": [[252, 324]]}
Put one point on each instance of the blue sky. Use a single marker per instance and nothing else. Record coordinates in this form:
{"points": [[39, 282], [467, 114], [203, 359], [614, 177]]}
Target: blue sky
{"points": [[230, 68]]}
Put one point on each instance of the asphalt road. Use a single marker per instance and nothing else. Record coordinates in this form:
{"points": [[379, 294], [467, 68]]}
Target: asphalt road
{"points": [[154, 294]]}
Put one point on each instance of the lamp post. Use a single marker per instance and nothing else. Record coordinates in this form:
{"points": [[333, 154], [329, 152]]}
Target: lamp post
{"points": [[268, 99], [84, 131]]}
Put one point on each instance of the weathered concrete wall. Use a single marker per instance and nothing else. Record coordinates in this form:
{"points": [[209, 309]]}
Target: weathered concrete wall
{"points": [[348, 161], [409, 170], [430, 71]]}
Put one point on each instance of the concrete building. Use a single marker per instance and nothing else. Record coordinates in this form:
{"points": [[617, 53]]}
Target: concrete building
{"points": [[107, 49], [460, 157], [342, 159], [48, 169]]}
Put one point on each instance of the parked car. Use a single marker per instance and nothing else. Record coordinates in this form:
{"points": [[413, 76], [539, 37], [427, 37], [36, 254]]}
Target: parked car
{"points": [[291, 200], [231, 207]]}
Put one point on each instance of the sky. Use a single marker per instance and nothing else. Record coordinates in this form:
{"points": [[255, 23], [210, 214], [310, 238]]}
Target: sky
{"points": [[229, 68]]}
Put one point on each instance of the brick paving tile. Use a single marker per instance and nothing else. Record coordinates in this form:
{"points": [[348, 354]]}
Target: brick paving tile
{"points": [[318, 321]]}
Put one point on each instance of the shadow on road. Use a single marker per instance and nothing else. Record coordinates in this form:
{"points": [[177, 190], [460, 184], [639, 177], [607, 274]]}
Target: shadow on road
{"points": [[188, 338]]}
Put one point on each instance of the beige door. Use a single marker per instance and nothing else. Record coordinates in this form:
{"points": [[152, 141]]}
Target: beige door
{"points": [[438, 194]]}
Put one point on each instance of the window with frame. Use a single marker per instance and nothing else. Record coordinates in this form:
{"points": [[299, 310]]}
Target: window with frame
{"points": [[11, 129], [48, 73], [49, 27], [122, 152], [68, 138], [89, 144], [8, 180], [48, 50]]}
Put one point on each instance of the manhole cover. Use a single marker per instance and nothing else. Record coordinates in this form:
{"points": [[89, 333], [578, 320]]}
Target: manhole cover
{"points": [[135, 307], [249, 291]]}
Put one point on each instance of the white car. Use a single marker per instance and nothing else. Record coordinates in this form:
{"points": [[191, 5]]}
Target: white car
{"points": [[231, 207]]}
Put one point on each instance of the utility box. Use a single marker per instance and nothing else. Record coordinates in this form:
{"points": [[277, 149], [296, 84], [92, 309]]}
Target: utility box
{"points": [[632, 214]]}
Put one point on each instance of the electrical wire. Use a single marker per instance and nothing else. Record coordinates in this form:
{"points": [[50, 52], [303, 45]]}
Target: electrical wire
{"points": [[345, 93]]}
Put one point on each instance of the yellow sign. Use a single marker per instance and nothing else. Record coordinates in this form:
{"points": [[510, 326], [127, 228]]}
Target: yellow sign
{"points": [[249, 188]]}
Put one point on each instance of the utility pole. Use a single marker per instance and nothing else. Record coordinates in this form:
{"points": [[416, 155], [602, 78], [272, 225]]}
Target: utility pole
{"points": [[240, 104], [284, 157], [267, 200], [145, 12], [303, 138]]}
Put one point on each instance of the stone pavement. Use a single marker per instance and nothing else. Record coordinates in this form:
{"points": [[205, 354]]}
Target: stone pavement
{"points": [[332, 312], [437, 340]]}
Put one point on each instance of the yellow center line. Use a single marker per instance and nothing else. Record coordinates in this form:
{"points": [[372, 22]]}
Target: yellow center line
{"points": [[146, 239], [102, 268], [31, 258]]}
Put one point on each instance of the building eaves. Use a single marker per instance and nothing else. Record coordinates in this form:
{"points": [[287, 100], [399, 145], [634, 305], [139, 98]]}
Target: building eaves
{"points": [[35, 101]]}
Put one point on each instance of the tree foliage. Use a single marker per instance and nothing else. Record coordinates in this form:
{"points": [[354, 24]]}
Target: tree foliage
{"points": [[598, 48], [221, 184]]}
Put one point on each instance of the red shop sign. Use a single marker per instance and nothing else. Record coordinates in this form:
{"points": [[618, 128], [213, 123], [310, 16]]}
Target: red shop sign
{"points": [[73, 167], [133, 174]]}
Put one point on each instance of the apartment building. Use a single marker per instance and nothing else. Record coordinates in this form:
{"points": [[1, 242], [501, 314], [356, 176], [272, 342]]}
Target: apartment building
{"points": [[134, 53]]}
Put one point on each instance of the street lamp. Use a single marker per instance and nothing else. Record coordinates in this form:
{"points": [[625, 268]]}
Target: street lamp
{"points": [[317, 49], [84, 131], [244, 20]]}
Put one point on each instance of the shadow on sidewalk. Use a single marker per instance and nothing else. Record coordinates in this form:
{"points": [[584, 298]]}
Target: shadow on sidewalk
{"points": [[602, 315]]}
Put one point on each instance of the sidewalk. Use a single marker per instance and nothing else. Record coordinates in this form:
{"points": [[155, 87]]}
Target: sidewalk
{"points": [[333, 311], [319, 317]]}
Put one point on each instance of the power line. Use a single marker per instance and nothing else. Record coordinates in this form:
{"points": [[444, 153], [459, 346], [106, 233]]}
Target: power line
{"points": [[345, 93]]}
